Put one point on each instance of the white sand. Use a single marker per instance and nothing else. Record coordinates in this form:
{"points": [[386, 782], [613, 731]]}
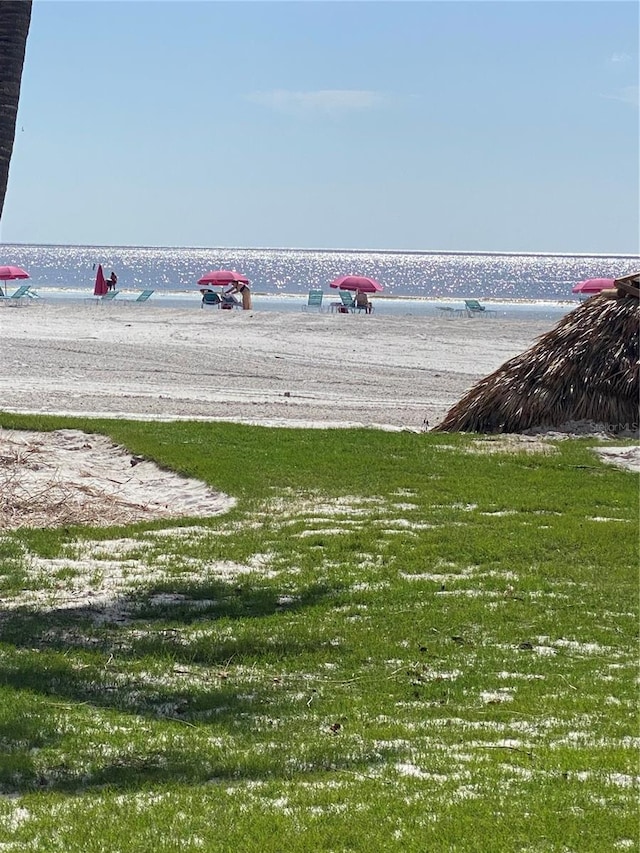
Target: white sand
{"points": [[149, 362], [293, 368], [50, 479]]}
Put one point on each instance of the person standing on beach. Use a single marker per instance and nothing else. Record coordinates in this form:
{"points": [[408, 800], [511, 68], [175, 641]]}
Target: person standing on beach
{"points": [[243, 290], [112, 281]]}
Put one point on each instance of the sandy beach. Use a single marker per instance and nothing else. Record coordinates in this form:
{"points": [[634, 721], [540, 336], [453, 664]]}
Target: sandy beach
{"points": [[270, 368], [304, 368]]}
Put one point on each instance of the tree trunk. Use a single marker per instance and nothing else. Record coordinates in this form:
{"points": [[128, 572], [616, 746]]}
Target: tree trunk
{"points": [[15, 17]]}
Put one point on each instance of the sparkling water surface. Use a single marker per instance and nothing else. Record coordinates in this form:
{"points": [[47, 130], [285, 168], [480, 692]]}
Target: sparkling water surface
{"points": [[414, 282]]}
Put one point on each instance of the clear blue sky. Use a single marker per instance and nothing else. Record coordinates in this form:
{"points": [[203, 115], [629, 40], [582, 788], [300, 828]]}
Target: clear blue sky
{"points": [[480, 126]]}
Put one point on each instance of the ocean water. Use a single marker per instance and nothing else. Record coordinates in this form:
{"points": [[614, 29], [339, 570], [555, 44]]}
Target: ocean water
{"points": [[280, 278]]}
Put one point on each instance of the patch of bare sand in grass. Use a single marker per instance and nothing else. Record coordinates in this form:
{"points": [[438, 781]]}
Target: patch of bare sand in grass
{"points": [[333, 516], [626, 457], [507, 443], [52, 479], [622, 457], [106, 579], [67, 477]]}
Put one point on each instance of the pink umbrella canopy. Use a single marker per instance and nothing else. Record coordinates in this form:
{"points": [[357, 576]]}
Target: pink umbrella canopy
{"points": [[357, 282], [9, 273], [223, 277], [100, 287], [593, 285]]}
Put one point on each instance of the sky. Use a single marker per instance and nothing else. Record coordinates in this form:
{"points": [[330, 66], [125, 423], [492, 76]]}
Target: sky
{"points": [[430, 126]]}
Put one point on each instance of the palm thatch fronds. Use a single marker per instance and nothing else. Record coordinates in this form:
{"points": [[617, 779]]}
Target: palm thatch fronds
{"points": [[585, 369]]}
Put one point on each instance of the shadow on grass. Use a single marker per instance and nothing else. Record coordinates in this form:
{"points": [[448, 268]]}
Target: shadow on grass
{"points": [[188, 746], [171, 767], [175, 603], [148, 665]]}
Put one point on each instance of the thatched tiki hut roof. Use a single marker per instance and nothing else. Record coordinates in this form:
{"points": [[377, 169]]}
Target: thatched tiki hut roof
{"points": [[586, 368]]}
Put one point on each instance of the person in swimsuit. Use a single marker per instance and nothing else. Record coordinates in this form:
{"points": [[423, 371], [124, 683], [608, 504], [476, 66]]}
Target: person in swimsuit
{"points": [[243, 289]]}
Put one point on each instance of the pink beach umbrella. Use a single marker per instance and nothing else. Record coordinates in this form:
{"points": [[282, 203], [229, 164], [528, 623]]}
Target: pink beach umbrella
{"points": [[222, 277], [356, 282], [11, 273], [593, 285], [100, 287]]}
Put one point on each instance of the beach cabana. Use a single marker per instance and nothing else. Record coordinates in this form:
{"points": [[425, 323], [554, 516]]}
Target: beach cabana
{"points": [[585, 369]]}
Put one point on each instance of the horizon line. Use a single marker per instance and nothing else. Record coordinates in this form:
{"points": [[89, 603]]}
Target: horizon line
{"points": [[332, 251]]}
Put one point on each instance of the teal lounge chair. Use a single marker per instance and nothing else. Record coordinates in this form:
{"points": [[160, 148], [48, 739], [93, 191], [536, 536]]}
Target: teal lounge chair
{"points": [[474, 309], [142, 297], [209, 297], [314, 300], [109, 296], [23, 290], [347, 299], [346, 304]]}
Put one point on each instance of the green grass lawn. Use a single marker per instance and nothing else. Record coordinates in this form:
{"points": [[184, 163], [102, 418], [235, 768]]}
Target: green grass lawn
{"points": [[419, 646]]}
